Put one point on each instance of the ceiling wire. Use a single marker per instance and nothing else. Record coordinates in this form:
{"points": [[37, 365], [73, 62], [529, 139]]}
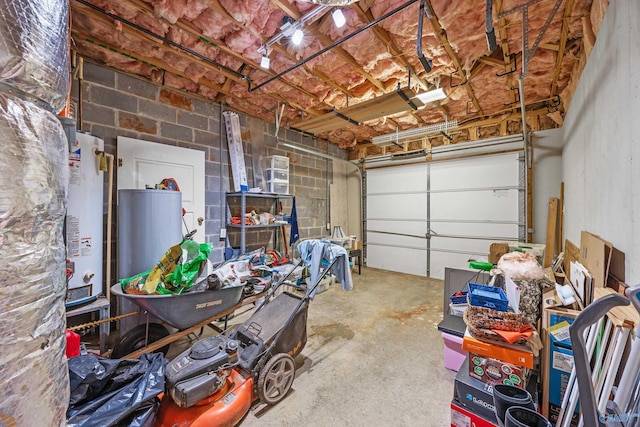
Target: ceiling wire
{"points": [[331, 46]]}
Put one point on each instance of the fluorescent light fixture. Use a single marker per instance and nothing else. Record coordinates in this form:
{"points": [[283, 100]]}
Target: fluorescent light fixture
{"points": [[265, 62], [432, 95], [297, 37], [338, 18]]}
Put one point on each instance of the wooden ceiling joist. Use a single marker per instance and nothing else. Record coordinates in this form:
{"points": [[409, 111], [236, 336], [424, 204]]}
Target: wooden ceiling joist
{"points": [[563, 44], [442, 35], [506, 55]]}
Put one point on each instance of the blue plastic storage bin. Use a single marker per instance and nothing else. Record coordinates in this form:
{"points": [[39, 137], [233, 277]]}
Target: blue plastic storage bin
{"points": [[459, 299], [487, 296]]}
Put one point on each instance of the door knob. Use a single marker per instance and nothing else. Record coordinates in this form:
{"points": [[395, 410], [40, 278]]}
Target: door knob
{"points": [[200, 220]]}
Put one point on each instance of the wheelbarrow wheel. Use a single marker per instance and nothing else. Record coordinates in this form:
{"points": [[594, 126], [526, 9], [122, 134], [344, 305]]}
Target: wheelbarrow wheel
{"points": [[276, 378], [135, 339]]}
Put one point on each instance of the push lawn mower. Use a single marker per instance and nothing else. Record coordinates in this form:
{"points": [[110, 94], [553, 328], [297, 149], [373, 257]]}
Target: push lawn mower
{"points": [[216, 381]]}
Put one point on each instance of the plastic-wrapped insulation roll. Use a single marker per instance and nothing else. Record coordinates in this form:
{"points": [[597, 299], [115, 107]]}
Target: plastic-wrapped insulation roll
{"points": [[33, 369], [34, 49]]}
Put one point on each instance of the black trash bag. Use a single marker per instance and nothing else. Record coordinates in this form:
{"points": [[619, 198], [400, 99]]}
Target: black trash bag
{"points": [[117, 392]]}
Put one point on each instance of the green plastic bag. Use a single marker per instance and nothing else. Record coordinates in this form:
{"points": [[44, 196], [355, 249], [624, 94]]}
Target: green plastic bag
{"points": [[187, 269]]}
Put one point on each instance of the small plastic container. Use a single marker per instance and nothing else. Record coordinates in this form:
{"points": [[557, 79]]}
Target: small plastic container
{"points": [[458, 309], [454, 355], [276, 162], [487, 296], [277, 187], [459, 298], [276, 175]]}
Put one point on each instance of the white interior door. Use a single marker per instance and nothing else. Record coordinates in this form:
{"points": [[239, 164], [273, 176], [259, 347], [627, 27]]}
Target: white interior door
{"points": [[148, 163]]}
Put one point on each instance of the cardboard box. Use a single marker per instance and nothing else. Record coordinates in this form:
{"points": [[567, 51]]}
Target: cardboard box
{"points": [[515, 354], [460, 417], [496, 250], [595, 255], [557, 361], [474, 395], [493, 371]]}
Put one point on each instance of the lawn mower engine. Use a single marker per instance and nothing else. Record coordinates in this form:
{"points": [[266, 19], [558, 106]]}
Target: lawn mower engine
{"points": [[201, 371]]}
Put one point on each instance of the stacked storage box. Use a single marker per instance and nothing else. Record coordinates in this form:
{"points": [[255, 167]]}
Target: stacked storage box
{"points": [[276, 174], [488, 364]]}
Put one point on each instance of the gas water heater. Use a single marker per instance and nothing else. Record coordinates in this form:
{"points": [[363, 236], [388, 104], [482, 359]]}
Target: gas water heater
{"points": [[84, 222]]}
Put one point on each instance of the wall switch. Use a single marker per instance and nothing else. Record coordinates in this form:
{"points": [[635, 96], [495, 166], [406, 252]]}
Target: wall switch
{"points": [[328, 226], [223, 233]]}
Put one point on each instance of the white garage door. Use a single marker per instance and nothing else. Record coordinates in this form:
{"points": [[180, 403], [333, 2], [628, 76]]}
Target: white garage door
{"points": [[421, 218]]}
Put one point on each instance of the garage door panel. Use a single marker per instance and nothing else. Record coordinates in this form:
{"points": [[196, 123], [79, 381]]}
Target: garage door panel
{"points": [[412, 228], [411, 178], [479, 172], [396, 240], [402, 260], [487, 205], [470, 203], [495, 231], [472, 246], [400, 206]]}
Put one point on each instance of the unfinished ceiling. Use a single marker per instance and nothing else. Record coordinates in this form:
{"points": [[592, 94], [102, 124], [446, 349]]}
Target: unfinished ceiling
{"points": [[212, 48]]}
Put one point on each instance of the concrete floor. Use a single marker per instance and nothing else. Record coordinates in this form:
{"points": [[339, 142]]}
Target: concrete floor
{"points": [[374, 357]]}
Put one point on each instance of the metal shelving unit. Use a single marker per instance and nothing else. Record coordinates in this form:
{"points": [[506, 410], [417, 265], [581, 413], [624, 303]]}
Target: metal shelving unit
{"points": [[244, 196]]}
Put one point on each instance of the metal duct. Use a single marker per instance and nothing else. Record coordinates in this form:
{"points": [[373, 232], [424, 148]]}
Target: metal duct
{"points": [[34, 51], [33, 368], [426, 64], [491, 34]]}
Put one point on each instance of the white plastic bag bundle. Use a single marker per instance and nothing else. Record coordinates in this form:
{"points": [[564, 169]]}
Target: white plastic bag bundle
{"points": [[33, 368], [520, 266]]}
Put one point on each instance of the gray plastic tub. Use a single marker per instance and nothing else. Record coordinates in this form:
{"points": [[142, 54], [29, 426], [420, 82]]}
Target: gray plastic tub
{"points": [[188, 309]]}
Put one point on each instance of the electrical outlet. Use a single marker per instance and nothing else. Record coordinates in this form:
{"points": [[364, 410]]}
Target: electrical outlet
{"points": [[223, 233]]}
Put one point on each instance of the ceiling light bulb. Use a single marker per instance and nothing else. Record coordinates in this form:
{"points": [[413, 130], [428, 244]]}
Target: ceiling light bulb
{"points": [[432, 95], [297, 36], [338, 18], [265, 62]]}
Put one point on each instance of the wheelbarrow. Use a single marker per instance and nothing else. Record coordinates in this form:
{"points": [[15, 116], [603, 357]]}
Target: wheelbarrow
{"points": [[186, 312]]}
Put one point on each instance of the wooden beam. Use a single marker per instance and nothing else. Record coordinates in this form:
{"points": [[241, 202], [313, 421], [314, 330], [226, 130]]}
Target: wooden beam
{"points": [[494, 62], [288, 8], [504, 43], [345, 56], [560, 219], [190, 29], [563, 44], [96, 16], [549, 46], [552, 224], [157, 63], [442, 35], [153, 62], [384, 37]]}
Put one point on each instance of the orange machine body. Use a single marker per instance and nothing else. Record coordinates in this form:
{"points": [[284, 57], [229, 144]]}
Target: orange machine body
{"points": [[225, 408]]}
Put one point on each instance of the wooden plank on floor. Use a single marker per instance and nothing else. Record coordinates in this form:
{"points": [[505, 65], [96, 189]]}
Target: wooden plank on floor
{"points": [[552, 224], [560, 219]]}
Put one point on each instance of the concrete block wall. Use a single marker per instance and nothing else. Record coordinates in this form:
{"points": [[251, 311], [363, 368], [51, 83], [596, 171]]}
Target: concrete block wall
{"points": [[115, 104]]}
